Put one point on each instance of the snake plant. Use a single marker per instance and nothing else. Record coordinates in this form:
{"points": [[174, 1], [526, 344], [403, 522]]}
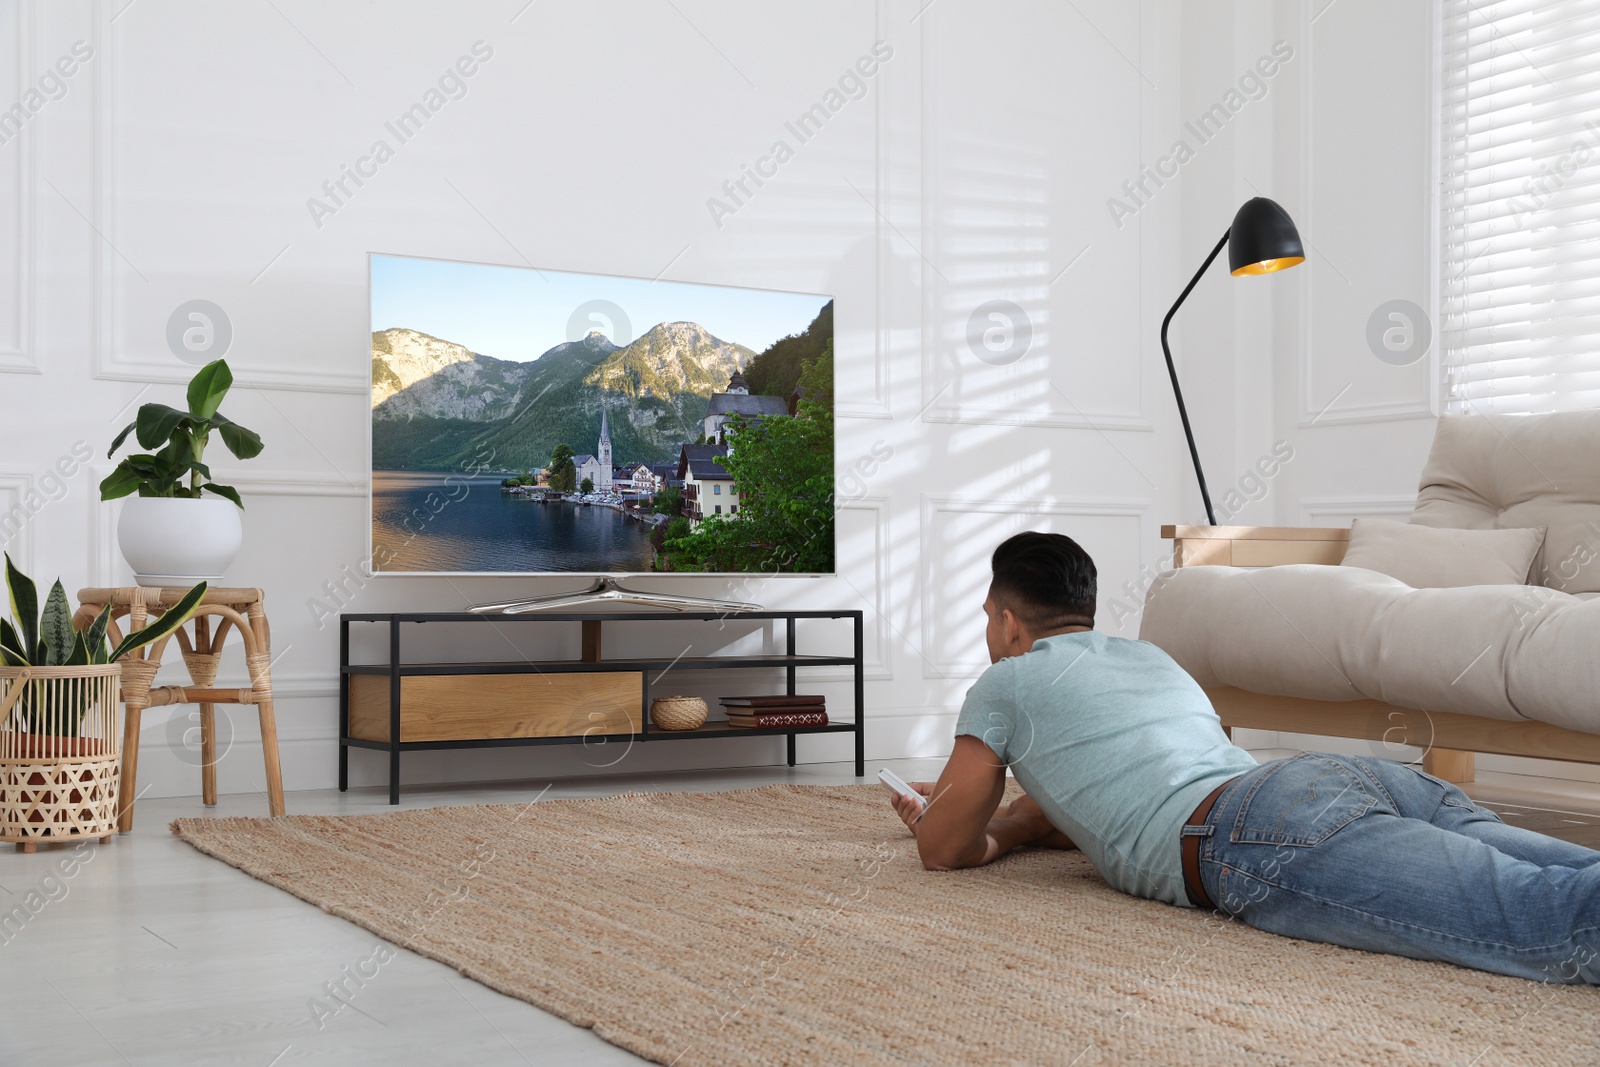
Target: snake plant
{"points": [[35, 638]]}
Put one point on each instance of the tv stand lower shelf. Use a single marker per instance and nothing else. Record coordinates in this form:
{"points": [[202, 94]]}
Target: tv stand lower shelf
{"points": [[397, 706]]}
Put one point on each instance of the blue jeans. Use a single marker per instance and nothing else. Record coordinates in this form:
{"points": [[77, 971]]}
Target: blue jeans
{"points": [[1376, 855]]}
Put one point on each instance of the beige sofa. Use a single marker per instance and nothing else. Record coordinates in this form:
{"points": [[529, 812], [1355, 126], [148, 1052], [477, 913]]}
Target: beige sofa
{"points": [[1284, 639]]}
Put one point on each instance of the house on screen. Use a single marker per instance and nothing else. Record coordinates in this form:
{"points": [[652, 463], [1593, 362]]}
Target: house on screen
{"points": [[708, 488], [736, 400]]}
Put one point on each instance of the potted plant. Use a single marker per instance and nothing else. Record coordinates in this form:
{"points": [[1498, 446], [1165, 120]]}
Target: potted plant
{"points": [[60, 749], [172, 533]]}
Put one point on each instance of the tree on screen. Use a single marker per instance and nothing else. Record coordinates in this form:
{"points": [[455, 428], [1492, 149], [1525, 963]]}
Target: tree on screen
{"points": [[563, 473], [669, 501], [783, 471], [816, 378]]}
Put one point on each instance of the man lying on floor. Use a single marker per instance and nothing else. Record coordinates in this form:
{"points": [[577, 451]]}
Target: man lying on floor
{"points": [[1120, 752]]}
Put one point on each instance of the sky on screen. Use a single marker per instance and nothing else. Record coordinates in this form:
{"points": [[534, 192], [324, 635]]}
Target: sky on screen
{"points": [[518, 313]]}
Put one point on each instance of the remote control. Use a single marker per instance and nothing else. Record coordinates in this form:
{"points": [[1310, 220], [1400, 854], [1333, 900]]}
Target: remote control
{"points": [[893, 784]]}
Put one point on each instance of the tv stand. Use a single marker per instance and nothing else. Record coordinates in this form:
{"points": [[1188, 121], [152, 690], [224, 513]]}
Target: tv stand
{"points": [[406, 705], [612, 591]]}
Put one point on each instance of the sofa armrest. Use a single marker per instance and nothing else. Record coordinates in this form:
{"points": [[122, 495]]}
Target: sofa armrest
{"points": [[1255, 546]]}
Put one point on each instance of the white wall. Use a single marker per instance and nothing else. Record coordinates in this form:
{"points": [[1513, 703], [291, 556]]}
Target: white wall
{"points": [[179, 161], [1361, 145], [1345, 139]]}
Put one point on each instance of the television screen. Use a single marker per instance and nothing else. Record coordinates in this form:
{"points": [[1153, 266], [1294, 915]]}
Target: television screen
{"points": [[529, 421]]}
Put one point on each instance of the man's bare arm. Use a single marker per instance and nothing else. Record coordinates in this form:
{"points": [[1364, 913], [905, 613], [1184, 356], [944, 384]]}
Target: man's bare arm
{"points": [[952, 831], [960, 827]]}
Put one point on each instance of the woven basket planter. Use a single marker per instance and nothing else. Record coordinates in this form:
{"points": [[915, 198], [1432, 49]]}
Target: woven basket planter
{"points": [[60, 753], [678, 713]]}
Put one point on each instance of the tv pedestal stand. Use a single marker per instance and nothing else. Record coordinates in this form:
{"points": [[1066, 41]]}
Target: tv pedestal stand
{"points": [[611, 591], [601, 703]]}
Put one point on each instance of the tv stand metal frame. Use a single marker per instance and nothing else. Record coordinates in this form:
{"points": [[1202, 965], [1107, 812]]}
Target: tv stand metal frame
{"points": [[649, 667]]}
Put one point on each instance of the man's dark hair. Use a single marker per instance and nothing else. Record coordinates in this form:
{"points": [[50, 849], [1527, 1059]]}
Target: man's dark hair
{"points": [[1046, 579]]}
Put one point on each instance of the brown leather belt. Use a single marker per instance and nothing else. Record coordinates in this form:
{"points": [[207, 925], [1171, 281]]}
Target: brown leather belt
{"points": [[1190, 850]]}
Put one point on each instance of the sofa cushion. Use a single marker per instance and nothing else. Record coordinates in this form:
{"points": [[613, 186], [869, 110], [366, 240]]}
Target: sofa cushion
{"points": [[1346, 633], [1427, 558], [1521, 471]]}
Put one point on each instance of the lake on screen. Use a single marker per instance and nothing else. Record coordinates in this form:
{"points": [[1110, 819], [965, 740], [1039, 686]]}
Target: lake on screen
{"points": [[452, 522]]}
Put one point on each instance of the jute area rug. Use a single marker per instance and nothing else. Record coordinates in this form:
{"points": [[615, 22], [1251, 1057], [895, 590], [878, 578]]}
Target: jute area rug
{"points": [[794, 924]]}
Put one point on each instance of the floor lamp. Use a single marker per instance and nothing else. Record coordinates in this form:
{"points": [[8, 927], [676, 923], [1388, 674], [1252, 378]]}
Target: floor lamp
{"points": [[1261, 240]]}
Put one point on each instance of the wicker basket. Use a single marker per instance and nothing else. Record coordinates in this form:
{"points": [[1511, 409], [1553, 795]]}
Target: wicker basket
{"points": [[678, 713], [60, 753]]}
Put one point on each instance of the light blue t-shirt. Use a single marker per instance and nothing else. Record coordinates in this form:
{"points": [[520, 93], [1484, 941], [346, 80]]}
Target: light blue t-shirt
{"points": [[1116, 743]]}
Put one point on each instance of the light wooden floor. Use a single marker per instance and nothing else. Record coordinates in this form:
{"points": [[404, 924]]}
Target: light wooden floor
{"points": [[153, 954], [1570, 811]]}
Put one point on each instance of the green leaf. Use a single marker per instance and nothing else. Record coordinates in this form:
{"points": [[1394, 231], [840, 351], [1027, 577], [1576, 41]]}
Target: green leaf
{"points": [[9, 637], [175, 617], [225, 490], [121, 437], [11, 652], [168, 466], [80, 652], [95, 637], [207, 388], [243, 443], [24, 604], [156, 423], [56, 627], [120, 482], [145, 464]]}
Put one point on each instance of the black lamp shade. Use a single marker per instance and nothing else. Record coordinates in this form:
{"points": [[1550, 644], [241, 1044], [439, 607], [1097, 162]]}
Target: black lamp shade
{"points": [[1263, 239]]}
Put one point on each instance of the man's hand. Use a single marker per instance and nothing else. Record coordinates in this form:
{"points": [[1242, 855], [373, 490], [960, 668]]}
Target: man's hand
{"points": [[1026, 811], [909, 810]]}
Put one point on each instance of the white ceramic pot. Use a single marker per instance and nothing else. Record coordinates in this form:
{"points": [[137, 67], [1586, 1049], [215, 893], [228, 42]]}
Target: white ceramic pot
{"points": [[176, 541]]}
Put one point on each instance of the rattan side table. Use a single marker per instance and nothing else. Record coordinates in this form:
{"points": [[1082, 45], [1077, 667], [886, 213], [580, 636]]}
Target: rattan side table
{"points": [[232, 609]]}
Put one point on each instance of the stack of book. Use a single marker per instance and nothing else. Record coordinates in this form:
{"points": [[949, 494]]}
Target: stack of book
{"points": [[779, 710]]}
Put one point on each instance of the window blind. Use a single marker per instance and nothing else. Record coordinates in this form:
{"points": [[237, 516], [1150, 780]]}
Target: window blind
{"points": [[1520, 203]]}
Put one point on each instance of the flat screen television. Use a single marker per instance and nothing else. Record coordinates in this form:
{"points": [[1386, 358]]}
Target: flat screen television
{"points": [[540, 422]]}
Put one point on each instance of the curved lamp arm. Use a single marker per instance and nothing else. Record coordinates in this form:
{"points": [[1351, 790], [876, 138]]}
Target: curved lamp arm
{"points": [[1183, 412]]}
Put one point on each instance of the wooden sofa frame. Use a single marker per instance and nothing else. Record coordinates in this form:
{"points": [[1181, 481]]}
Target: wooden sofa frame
{"points": [[1449, 740]]}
